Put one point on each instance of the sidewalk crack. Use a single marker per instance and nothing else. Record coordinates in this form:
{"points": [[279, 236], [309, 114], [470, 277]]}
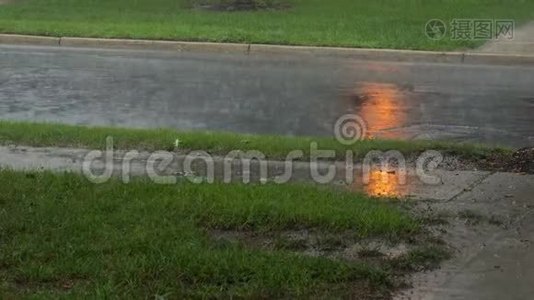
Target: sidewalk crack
{"points": [[470, 187]]}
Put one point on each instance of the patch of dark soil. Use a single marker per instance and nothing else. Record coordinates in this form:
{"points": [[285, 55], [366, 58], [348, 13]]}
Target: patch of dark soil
{"points": [[471, 217], [423, 258], [315, 243], [363, 290], [474, 218], [346, 246], [239, 5], [63, 284], [521, 161], [400, 257]]}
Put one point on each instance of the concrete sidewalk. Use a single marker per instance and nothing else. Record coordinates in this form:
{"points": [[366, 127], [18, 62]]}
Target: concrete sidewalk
{"points": [[521, 44], [494, 248], [449, 185]]}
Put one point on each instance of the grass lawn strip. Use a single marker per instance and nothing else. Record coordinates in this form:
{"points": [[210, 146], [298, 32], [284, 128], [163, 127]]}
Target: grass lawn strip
{"points": [[347, 23], [218, 143], [65, 237]]}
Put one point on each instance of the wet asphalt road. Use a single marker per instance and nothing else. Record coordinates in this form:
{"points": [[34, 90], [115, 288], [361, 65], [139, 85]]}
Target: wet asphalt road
{"points": [[267, 94]]}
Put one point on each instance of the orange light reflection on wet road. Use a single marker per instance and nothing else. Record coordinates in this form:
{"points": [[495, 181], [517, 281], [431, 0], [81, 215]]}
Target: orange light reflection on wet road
{"points": [[381, 108]]}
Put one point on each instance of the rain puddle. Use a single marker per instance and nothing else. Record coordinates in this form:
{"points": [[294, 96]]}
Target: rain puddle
{"points": [[383, 184]]}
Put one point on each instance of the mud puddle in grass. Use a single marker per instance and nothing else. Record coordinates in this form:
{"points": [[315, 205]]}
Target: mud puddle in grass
{"points": [[398, 258], [315, 243]]}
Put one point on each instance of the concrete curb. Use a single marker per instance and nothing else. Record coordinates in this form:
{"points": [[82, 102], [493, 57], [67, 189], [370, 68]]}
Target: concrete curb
{"points": [[153, 45], [359, 53], [29, 40], [257, 49]]}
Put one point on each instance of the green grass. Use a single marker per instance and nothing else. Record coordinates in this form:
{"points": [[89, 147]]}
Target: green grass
{"points": [[217, 143], [63, 237], [350, 23]]}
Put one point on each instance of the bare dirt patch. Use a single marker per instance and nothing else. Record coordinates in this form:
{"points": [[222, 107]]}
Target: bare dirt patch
{"points": [[523, 161], [61, 284], [400, 256], [238, 5], [315, 243], [520, 161]]}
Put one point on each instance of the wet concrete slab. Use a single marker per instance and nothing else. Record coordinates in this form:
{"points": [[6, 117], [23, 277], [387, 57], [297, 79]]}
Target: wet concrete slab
{"points": [[505, 270], [267, 94], [522, 42], [494, 254], [502, 270]]}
